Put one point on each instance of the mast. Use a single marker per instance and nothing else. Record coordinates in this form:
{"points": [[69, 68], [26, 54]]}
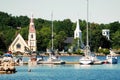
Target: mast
{"points": [[78, 32], [87, 41], [52, 29]]}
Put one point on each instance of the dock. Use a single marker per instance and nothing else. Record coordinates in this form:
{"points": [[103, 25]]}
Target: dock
{"points": [[66, 62]]}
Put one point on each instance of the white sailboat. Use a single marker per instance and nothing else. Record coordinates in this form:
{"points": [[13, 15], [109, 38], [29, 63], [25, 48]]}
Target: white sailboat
{"points": [[87, 58], [52, 57]]}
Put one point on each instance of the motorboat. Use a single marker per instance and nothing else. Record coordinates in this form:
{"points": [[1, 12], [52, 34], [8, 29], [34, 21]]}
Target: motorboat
{"points": [[39, 58], [19, 60], [7, 57], [112, 58]]}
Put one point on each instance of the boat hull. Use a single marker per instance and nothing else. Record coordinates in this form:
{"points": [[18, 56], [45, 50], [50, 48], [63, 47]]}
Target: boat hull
{"points": [[112, 61], [85, 62]]}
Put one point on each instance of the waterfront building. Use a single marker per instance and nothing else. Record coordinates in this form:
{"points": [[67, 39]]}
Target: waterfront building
{"points": [[21, 45], [106, 33]]}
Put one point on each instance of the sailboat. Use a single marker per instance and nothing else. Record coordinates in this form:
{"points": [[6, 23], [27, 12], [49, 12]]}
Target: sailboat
{"points": [[87, 58], [52, 57]]}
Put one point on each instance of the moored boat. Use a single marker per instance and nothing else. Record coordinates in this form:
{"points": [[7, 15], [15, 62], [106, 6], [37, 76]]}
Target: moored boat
{"points": [[87, 58], [19, 60], [55, 60], [112, 58]]}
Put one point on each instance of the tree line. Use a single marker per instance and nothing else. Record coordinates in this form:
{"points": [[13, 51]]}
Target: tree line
{"points": [[9, 28]]}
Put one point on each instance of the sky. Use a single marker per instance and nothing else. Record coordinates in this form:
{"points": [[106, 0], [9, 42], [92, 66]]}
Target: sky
{"points": [[100, 11]]}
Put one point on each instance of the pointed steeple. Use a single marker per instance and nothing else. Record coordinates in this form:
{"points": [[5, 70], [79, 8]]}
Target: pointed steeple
{"points": [[77, 32], [78, 26], [31, 26], [32, 36], [31, 20]]}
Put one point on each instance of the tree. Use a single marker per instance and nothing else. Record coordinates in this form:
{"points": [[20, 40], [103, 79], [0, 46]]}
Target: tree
{"points": [[3, 45], [114, 27], [59, 40], [116, 40], [43, 38]]}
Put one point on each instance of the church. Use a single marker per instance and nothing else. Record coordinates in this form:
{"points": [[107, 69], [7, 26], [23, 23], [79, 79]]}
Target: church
{"points": [[20, 45]]}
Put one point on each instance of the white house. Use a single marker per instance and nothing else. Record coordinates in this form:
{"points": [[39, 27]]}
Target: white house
{"points": [[106, 32]]}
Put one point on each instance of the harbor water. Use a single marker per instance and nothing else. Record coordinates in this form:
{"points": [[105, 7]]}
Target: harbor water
{"points": [[66, 71]]}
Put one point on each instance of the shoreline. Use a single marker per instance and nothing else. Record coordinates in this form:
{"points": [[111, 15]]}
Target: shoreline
{"points": [[63, 54]]}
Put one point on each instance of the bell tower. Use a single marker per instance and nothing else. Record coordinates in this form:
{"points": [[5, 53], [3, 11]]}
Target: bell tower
{"points": [[32, 36]]}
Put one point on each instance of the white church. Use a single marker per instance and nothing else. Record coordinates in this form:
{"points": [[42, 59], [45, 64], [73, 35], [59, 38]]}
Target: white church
{"points": [[20, 45], [78, 34]]}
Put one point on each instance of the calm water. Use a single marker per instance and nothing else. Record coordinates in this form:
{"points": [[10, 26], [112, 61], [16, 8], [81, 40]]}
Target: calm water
{"points": [[66, 72]]}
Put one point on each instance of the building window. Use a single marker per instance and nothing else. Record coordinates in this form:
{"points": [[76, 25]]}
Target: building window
{"points": [[31, 35], [18, 46]]}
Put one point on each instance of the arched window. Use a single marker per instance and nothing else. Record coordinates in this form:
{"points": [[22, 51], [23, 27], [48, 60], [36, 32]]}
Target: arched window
{"points": [[31, 35], [18, 46]]}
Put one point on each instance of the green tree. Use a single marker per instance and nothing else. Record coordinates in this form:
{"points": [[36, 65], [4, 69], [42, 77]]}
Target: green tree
{"points": [[59, 40], [43, 38], [116, 40]]}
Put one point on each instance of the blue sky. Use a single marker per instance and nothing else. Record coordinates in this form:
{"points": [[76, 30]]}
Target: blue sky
{"points": [[100, 11]]}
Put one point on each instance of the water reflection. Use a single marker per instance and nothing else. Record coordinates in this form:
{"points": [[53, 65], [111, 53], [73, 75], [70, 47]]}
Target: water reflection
{"points": [[78, 66]]}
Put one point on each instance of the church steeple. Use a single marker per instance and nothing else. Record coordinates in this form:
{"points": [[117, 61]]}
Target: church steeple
{"points": [[31, 26], [32, 35], [77, 32], [31, 20]]}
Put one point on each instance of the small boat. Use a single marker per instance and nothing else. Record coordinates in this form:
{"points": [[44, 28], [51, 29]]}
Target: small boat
{"points": [[55, 59], [7, 57], [19, 60], [112, 59], [85, 61], [36, 59], [39, 58]]}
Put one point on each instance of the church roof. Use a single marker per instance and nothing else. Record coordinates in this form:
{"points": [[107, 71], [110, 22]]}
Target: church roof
{"points": [[69, 40], [19, 37]]}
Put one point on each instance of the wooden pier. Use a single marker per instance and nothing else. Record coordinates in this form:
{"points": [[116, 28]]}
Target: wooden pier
{"points": [[45, 62]]}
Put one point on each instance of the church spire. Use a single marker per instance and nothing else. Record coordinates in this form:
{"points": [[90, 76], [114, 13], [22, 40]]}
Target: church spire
{"points": [[77, 32], [31, 26], [31, 20], [77, 26], [32, 36]]}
